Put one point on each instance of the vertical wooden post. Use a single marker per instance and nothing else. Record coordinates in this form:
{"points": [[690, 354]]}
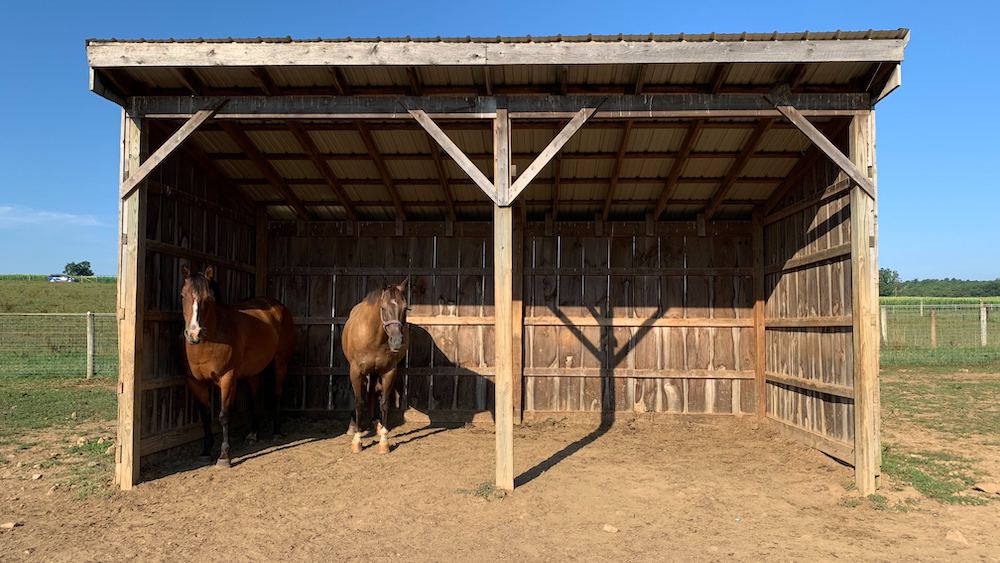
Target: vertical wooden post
{"points": [[760, 361], [983, 341], [131, 272], [260, 272], [864, 274], [503, 303], [883, 325], [933, 328], [90, 344], [517, 296]]}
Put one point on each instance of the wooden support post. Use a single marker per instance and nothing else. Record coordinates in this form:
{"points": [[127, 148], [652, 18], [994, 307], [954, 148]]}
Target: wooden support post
{"points": [[933, 328], [760, 361], [260, 273], [517, 295], [90, 344], [131, 272], [864, 274], [883, 325], [503, 305], [983, 341]]}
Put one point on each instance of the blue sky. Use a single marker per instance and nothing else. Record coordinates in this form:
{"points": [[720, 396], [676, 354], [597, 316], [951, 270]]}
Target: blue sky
{"points": [[936, 139]]}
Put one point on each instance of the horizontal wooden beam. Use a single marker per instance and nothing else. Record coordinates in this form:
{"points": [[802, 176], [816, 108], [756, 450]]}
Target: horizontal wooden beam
{"points": [[833, 448], [809, 322], [811, 385], [432, 182], [595, 155], [647, 106], [114, 54], [838, 252]]}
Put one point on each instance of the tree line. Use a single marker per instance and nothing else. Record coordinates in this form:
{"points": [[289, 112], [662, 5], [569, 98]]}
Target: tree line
{"points": [[889, 284]]}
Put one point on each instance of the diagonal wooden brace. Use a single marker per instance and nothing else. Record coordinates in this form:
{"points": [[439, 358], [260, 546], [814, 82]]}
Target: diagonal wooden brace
{"points": [[455, 153], [828, 148], [130, 184], [550, 151]]}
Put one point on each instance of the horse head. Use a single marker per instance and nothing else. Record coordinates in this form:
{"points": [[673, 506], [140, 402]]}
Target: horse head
{"points": [[392, 310], [197, 297]]}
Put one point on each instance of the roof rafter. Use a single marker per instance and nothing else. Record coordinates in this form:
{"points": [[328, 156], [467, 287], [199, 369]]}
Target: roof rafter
{"points": [[443, 176], [749, 147], [383, 170], [670, 185], [616, 170], [273, 176], [804, 165], [302, 136]]}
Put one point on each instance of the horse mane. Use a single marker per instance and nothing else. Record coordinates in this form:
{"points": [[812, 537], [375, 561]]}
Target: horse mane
{"points": [[203, 286]]}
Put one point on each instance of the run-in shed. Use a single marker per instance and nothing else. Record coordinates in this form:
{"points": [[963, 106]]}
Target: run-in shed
{"points": [[676, 224]]}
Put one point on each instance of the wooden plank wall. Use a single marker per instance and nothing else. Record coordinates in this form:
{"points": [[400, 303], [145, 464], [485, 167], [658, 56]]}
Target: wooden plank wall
{"points": [[808, 336], [631, 317], [321, 270], [662, 322], [189, 221]]}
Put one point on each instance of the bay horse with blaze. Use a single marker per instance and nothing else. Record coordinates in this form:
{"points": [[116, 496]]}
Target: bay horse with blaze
{"points": [[374, 340], [226, 344]]}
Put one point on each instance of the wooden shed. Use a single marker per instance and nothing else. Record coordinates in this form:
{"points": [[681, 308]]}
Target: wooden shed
{"points": [[668, 225]]}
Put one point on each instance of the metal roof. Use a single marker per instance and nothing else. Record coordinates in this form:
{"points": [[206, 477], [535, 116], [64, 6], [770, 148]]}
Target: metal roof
{"points": [[586, 165]]}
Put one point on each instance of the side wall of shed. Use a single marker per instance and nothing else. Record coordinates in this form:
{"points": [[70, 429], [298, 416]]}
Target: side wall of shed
{"points": [[809, 336], [186, 218]]}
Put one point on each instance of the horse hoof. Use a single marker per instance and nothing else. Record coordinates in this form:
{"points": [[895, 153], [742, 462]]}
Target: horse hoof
{"points": [[223, 463], [383, 448]]}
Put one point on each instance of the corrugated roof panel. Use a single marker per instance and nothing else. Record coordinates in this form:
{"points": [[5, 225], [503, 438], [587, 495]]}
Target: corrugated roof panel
{"points": [[758, 74], [281, 212], [836, 73], [706, 168], [296, 169], [412, 169], [694, 191], [751, 190], [300, 76], [656, 140], [721, 139], [313, 192], [238, 168], [338, 142], [215, 142], [440, 76], [401, 142], [355, 169], [683, 74], [767, 167], [278, 142]]}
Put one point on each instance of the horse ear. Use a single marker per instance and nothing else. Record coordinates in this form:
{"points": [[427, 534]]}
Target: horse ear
{"points": [[185, 271], [402, 285], [209, 273]]}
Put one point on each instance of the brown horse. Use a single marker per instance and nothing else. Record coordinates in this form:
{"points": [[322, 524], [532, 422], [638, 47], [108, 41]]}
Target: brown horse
{"points": [[374, 341], [226, 344]]}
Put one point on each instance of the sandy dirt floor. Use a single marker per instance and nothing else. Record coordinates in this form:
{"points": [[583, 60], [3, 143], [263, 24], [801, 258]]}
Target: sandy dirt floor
{"points": [[722, 489]]}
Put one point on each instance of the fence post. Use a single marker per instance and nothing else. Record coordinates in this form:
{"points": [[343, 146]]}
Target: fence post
{"points": [[933, 328], [882, 325], [90, 344], [921, 307], [982, 324]]}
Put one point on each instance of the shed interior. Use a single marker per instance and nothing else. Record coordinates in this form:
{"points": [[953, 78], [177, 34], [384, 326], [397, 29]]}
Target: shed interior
{"points": [[696, 263]]}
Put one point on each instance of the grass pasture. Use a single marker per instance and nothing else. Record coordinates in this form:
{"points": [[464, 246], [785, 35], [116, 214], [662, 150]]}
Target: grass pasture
{"points": [[40, 296]]}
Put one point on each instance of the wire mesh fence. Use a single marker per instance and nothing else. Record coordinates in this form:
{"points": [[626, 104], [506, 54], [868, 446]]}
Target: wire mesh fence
{"points": [[86, 344], [58, 344], [942, 334]]}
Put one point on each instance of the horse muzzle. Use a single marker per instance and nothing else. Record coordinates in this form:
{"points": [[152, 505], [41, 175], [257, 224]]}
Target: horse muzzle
{"points": [[395, 344], [191, 339]]}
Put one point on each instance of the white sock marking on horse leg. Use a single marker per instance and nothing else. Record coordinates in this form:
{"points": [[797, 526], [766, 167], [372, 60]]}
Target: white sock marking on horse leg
{"points": [[383, 434], [357, 438]]}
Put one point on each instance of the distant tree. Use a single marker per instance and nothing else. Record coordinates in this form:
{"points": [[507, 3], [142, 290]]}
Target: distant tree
{"points": [[888, 281], [78, 269]]}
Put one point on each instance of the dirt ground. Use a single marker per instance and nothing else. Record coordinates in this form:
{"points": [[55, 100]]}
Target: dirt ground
{"points": [[723, 489]]}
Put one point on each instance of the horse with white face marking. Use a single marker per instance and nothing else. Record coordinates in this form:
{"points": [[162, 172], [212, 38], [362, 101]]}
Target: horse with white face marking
{"points": [[374, 340], [225, 344]]}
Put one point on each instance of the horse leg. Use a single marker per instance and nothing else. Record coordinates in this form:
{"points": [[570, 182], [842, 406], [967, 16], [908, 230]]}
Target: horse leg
{"points": [[254, 384], [358, 385], [202, 391], [228, 386], [388, 378], [373, 400], [280, 372]]}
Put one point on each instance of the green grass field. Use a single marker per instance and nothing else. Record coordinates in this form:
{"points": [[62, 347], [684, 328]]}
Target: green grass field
{"points": [[40, 296], [938, 300]]}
